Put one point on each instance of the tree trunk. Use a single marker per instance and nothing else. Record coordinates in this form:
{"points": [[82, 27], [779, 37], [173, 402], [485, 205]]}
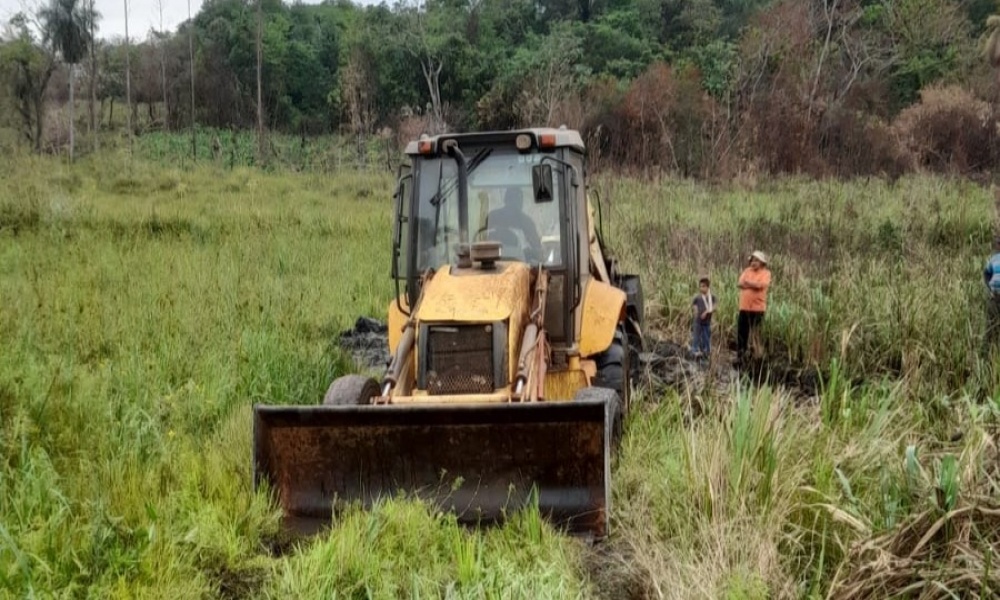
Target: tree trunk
{"points": [[128, 83], [260, 104], [828, 11], [72, 125], [111, 116], [163, 70], [194, 143], [163, 83], [432, 74], [94, 123], [39, 121]]}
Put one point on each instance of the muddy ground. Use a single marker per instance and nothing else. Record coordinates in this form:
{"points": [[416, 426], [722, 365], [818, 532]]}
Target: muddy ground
{"points": [[367, 343], [663, 365]]}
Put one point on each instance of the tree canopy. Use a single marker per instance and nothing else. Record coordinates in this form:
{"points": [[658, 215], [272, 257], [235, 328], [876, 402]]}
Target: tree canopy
{"points": [[591, 64]]}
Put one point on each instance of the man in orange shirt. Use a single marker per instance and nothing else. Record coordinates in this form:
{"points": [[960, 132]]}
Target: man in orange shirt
{"points": [[753, 284]]}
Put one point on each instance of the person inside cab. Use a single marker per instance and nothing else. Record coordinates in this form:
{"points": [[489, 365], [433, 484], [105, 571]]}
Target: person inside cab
{"points": [[510, 220]]}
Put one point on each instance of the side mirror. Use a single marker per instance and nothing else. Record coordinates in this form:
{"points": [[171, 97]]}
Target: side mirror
{"points": [[541, 182]]}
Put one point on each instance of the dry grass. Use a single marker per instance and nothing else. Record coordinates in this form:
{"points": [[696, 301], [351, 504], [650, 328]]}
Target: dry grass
{"points": [[929, 556]]}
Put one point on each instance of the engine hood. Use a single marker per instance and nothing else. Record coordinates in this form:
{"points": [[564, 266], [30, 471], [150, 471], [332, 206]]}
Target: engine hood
{"points": [[473, 295]]}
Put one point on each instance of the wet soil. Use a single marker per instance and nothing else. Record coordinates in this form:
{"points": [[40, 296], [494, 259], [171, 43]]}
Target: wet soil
{"points": [[614, 573], [664, 365], [367, 343]]}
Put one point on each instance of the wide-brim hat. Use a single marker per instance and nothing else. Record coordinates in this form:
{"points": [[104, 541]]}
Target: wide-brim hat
{"points": [[759, 256]]}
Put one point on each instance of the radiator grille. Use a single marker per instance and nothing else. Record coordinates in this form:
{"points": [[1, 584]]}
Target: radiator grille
{"points": [[460, 359]]}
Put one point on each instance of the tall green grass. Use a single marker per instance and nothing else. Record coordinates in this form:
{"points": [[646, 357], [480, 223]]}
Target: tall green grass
{"points": [[885, 277], [146, 306], [761, 498], [400, 550], [233, 149], [144, 310]]}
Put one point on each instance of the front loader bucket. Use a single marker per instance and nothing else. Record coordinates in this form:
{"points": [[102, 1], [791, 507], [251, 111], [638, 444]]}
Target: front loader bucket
{"points": [[481, 461]]}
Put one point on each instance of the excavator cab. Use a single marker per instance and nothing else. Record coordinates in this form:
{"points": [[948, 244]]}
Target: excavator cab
{"points": [[510, 337]]}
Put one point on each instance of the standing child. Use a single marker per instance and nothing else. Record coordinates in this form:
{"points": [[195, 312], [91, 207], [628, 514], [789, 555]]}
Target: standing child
{"points": [[701, 327]]}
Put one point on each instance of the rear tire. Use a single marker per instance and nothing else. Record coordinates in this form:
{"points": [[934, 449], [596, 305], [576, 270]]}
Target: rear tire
{"points": [[611, 398], [351, 390]]}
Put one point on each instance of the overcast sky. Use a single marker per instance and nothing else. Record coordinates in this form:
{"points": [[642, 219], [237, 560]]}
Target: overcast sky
{"points": [[143, 14]]}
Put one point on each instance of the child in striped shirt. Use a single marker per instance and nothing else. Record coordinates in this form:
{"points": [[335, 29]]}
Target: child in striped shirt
{"points": [[701, 327]]}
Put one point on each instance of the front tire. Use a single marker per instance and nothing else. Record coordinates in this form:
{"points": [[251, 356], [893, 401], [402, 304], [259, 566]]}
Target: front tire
{"points": [[613, 369], [351, 390]]}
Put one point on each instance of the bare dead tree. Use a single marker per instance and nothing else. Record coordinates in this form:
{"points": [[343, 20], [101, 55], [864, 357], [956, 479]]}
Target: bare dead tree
{"points": [[194, 141], [261, 148], [829, 12], [162, 39], [128, 81], [94, 123], [430, 48], [359, 96], [553, 80]]}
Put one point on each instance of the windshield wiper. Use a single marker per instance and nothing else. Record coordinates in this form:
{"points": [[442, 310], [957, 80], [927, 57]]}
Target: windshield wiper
{"points": [[477, 160], [436, 200]]}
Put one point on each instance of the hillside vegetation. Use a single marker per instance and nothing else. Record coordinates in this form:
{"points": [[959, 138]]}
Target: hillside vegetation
{"points": [[146, 308], [700, 88]]}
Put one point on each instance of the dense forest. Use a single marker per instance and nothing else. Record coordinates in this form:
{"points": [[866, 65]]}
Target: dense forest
{"points": [[704, 88]]}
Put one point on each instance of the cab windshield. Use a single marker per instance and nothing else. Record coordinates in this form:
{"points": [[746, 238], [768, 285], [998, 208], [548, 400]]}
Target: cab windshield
{"points": [[501, 208]]}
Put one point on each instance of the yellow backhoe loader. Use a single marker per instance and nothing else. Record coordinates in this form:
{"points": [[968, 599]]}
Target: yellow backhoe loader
{"points": [[511, 337]]}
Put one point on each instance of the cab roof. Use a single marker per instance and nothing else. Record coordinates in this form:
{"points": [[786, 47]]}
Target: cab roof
{"points": [[565, 138]]}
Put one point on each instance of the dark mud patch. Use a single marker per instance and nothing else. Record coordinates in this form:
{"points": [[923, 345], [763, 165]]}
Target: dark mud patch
{"points": [[666, 365], [804, 382], [663, 365], [280, 543], [614, 573], [367, 343], [235, 582]]}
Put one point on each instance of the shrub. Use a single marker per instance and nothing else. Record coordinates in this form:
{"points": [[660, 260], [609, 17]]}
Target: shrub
{"points": [[782, 133], [854, 144], [659, 123], [949, 130]]}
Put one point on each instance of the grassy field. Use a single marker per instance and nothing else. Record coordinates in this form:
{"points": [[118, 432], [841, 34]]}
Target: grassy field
{"points": [[145, 308]]}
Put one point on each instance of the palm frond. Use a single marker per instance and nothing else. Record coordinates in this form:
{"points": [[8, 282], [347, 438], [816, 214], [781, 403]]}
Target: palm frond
{"points": [[65, 28]]}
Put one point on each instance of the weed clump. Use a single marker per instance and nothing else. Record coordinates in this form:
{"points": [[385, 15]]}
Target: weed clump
{"points": [[401, 548], [19, 216]]}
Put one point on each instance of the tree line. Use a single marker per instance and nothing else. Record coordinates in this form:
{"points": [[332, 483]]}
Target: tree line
{"points": [[697, 87]]}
